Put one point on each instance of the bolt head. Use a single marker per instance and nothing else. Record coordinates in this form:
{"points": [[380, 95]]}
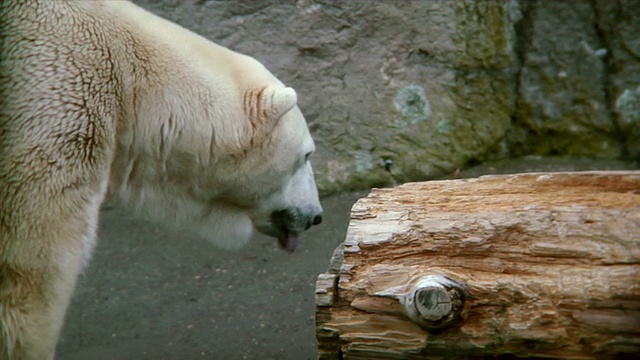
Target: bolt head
{"points": [[435, 303]]}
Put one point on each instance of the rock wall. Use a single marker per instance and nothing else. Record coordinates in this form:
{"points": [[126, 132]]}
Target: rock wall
{"points": [[618, 23], [562, 82], [395, 91]]}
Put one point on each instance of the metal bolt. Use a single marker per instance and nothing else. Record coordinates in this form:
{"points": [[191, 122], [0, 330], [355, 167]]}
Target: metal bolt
{"points": [[435, 302]]}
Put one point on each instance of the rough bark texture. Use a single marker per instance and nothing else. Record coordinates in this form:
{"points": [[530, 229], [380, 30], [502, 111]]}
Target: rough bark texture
{"points": [[398, 91], [530, 265]]}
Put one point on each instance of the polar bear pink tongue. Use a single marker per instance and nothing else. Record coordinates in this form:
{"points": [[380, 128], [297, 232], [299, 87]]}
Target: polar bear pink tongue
{"points": [[289, 242]]}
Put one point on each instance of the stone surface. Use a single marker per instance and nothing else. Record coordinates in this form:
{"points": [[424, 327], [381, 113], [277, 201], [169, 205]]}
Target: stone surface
{"points": [[619, 26], [395, 91], [562, 93]]}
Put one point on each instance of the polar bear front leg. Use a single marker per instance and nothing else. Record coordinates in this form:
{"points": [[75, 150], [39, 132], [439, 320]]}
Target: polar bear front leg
{"points": [[33, 303], [36, 285]]}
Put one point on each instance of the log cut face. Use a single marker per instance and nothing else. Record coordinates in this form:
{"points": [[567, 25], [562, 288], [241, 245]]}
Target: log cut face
{"points": [[530, 265]]}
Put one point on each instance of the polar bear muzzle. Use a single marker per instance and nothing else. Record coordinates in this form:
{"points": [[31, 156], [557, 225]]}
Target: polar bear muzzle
{"points": [[290, 222]]}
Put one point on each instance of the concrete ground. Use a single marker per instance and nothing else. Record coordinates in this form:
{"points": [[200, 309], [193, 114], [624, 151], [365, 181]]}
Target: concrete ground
{"points": [[150, 293]]}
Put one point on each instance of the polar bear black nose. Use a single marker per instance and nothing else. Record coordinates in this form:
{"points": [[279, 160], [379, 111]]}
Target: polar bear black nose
{"points": [[294, 220]]}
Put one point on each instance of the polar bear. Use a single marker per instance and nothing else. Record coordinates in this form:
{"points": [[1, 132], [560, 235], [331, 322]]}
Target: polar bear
{"points": [[105, 100]]}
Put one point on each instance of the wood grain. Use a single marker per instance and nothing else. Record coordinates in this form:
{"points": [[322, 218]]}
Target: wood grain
{"points": [[549, 264]]}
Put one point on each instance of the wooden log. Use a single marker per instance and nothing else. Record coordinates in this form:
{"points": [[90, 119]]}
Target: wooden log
{"points": [[543, 265]]}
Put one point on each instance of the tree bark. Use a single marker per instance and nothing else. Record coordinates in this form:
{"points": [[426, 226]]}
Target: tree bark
{"points": [[543, 265]]}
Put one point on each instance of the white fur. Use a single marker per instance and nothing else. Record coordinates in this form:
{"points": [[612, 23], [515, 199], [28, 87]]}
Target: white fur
{"points": [[106, 98]]}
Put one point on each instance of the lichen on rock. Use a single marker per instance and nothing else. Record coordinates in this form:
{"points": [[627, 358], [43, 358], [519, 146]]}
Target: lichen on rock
{"points": [[412, 103]]}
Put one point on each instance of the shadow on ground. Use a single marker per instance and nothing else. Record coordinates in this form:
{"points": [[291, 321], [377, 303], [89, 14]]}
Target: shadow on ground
{"points": [[150, 293]]}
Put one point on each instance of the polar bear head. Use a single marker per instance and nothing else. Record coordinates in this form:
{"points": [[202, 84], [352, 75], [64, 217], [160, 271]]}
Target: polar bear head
{"points": [[220, 148], [273, 179]]}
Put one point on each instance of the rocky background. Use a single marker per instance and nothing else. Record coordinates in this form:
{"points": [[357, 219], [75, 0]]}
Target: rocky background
{"points": [[398, 91]]}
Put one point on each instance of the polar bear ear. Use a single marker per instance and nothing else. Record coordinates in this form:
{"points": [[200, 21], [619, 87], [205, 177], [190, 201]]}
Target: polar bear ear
{"points": [[265, 106], [282, 100]]}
